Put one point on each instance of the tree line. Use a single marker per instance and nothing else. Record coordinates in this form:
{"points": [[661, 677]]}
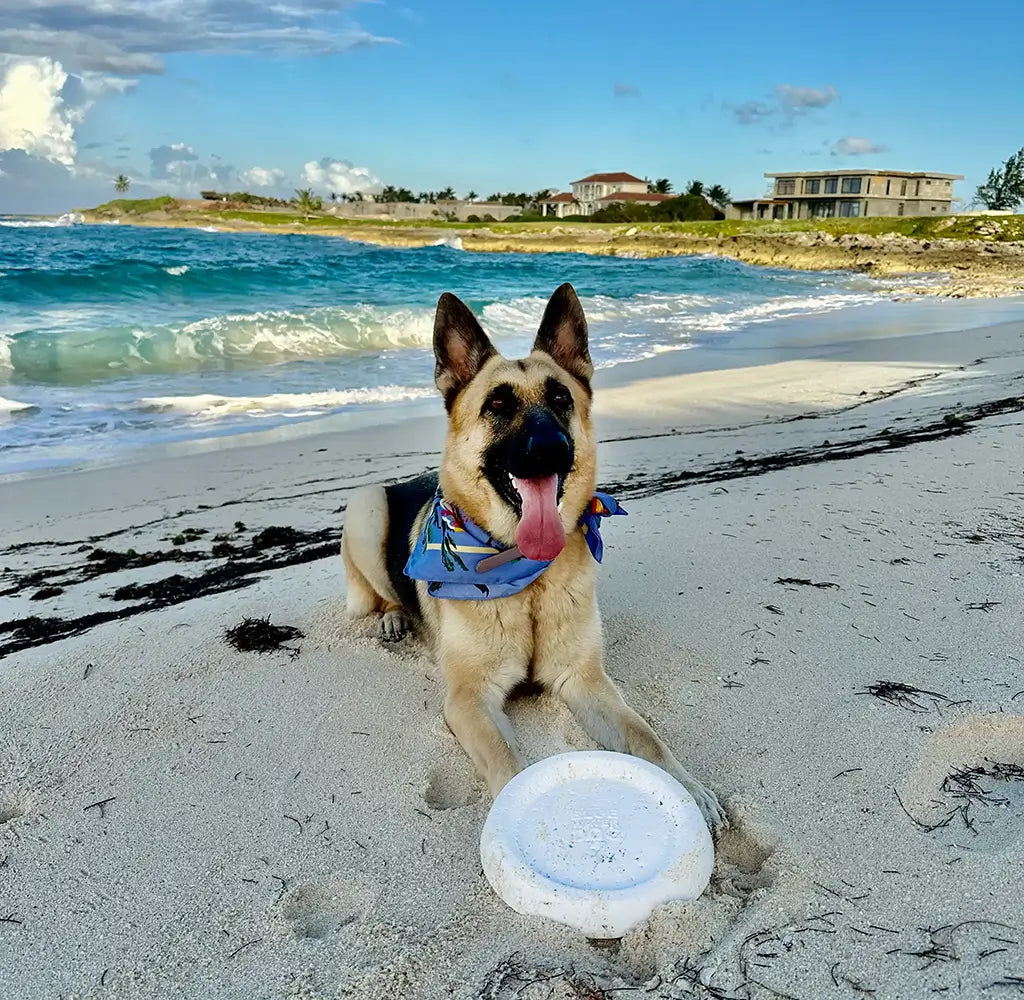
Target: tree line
{"points": [[1002, 191], [715, 193]]}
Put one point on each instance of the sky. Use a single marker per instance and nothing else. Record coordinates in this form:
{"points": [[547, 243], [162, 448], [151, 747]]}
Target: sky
{"points": [[346, 95]]}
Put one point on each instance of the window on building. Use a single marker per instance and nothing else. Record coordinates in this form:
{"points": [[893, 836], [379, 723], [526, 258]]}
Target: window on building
{"points": [[851, 185], [785, 185], [821, 209], [849, 209], [917, 190], [831, 185], [888, 185], [903, 190], [812, 185], [899, 207]]}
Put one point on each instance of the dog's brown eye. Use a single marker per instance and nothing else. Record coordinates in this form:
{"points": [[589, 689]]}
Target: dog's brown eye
{"points": [[559, 398], [501, 400]]}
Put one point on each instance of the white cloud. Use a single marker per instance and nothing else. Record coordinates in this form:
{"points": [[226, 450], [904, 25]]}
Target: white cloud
{"points": [[33, 115], [750, 112], [173, 163], [340, 176], [801, 98], [35, 184], [179, 167], [262, 177], [97, 85], [787, 102], [130, 36], [41, 106], [857, 145]]}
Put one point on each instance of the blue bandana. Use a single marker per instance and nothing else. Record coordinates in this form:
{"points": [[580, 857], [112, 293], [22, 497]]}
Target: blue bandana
{"points": [[461, 562]]}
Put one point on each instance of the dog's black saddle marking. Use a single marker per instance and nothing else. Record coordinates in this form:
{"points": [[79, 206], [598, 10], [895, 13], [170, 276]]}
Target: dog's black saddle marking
{"points": [[405, 501]]}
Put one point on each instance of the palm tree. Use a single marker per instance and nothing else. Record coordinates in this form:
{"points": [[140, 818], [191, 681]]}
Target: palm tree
{"points": [[446, 194], [695, 188], [122, 183], [307, 201], [661, 186], [718, 196], [472, 196]]}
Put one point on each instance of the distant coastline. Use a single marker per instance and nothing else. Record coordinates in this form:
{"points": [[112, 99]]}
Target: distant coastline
{"points": [[979, 255]]}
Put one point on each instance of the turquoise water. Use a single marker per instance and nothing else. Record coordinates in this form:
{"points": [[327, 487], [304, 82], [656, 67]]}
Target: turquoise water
{"points": [[114, 337]]}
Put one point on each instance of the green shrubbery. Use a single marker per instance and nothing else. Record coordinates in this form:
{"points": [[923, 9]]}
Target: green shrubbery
{"points": [[685, 208], [242, 198], [137, 206]]}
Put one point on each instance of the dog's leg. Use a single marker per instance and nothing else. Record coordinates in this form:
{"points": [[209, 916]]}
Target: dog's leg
{"points": [[360, 597], [368, 588], [609, 721], [474, 711]]}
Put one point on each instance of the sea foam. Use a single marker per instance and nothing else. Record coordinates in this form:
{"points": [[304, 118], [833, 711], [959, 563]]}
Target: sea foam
{"points": [[68, 219], [212, 406]]}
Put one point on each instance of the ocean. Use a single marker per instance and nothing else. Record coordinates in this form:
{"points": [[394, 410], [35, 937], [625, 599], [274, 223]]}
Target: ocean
{"points": [[113, 338]]}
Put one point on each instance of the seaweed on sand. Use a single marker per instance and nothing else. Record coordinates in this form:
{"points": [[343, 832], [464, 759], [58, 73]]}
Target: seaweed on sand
{"points": [[257, 635], [905, 695]]}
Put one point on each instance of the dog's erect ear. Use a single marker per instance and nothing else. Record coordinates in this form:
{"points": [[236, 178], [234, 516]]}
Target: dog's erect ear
{"points": [[460, 347], [563, 334]]}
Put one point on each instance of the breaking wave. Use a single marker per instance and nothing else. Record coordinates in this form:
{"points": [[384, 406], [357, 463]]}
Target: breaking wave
{"points": [[262, 337], [211, 406], [10, 406], [621, 330], [67, 219]]}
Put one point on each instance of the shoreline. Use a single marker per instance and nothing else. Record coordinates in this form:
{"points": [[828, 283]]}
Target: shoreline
{"points": [[977, 267], [870, 335]]}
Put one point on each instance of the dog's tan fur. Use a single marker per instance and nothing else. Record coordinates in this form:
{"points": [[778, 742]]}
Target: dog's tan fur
{"points": [[550, 632]]}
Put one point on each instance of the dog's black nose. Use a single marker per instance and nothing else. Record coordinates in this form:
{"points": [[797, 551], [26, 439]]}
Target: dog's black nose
{"points": [[545, 448]]}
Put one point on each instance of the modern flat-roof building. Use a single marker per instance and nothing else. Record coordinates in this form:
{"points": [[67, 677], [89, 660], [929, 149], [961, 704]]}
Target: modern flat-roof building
{"points": [[811, 194]]}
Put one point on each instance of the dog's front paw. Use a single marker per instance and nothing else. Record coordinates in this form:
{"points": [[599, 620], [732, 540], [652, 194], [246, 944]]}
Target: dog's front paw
{"points": [[714, 815], [394, 626]]}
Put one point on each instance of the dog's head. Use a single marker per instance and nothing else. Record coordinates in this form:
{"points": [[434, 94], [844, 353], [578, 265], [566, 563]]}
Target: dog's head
{"points": [[520, 453]]}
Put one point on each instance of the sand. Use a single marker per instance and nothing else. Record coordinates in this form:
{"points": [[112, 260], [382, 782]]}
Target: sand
{"points": [[178, 818]]}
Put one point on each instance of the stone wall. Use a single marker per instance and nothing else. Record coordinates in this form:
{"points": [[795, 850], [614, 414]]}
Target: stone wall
{"points": [[380, 210]]}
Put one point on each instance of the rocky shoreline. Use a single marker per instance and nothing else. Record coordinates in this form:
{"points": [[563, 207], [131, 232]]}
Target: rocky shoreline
{"points": [[977, 267]]}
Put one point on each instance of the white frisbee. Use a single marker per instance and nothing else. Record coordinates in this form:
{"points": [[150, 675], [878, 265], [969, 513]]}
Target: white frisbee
{"points": [[595, 840]]}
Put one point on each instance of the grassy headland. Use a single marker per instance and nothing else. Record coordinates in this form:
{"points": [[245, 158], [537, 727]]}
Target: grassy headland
{"points": [[982, 255]]}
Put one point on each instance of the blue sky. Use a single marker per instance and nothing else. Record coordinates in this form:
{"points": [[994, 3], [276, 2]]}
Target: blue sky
{"points": [[187, 94]]}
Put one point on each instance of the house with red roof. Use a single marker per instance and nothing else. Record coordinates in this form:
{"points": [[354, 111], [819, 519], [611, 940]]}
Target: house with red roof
{"points": [[599, 191]]}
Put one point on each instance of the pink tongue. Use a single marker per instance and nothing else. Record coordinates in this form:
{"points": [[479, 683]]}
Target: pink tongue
{"points": [[540, 534]]}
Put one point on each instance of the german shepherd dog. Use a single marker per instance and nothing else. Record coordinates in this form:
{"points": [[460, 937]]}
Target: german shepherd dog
{"points": [[519, 461]]}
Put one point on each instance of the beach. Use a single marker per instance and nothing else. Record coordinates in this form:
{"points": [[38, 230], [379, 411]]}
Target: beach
{"points": [[816, 600]]}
